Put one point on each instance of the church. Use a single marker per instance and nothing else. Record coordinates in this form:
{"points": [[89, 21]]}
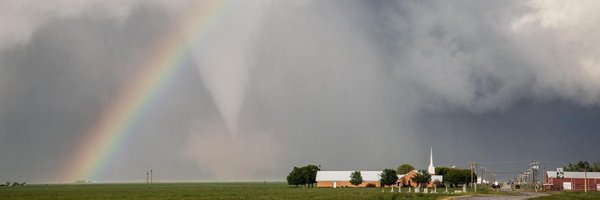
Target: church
{"points": [[405, 180]]}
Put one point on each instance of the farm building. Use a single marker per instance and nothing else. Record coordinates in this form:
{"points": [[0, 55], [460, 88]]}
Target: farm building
{"points": [[554, 180], [342, 178]]}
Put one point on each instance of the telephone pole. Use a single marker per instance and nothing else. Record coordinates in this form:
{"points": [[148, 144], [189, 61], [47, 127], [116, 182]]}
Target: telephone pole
{"points": [[534, 165], [473, 170], [585, 181], [483, 175]]}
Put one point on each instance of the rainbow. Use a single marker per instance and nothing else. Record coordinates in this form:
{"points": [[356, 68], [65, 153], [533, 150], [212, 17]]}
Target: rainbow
{"points": [[102, 141]]}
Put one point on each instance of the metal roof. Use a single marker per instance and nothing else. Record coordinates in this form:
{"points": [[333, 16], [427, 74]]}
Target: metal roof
{"points": [[595, 175], [345, 175]]}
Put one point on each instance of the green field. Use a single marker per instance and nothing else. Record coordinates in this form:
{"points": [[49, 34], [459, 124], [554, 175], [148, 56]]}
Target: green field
{"points": [[231, 191], [199, 191]]}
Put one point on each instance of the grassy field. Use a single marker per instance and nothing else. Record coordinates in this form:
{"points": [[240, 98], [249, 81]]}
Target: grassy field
{"points": [[570, 195], [200, 191], [233, 191]]}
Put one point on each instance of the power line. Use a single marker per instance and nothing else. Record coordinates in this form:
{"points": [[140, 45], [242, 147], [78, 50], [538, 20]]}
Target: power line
{"points": [[505, 162], [504, 173]]}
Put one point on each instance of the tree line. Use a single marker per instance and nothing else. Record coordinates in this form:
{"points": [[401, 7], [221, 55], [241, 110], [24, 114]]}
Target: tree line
{"points": [[583, 166], [453, 176], [8, 184], [306, 175]]}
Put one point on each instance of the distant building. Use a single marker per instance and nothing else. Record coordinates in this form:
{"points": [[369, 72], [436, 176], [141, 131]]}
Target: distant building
{"points": [[342, 178], [577, 181]]}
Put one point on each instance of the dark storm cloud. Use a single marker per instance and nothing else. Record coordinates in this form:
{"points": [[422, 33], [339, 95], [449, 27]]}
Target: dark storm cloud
{"points": [[554, 132], [345, 84]]}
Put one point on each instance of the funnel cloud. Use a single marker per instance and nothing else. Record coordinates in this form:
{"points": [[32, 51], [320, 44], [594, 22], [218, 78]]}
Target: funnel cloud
{"points": [[224, 55]]}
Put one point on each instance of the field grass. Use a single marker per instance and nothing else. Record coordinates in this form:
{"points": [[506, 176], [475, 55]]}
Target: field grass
{"points": [[205, 191], [570, 195]]}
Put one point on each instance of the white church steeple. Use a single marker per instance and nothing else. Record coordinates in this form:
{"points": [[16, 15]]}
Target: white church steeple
{"points": [[431, 168]]}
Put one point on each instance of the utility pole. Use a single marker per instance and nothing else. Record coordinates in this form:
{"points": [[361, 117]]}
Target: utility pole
{"points": [[473, 170], [545, 175], [585, 180], [534, 165], [528, 176], [150, 176], [482, 175], [471, 166]]}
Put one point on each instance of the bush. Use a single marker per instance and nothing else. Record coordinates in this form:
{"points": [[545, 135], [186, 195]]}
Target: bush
{"points": [[370, 185]]}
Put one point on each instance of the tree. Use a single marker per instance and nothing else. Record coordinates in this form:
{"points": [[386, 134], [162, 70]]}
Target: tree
{"points": [[465, 174], [306, 175], [356, 178], [295, 177], [441, 170], [422, 177], [405, 168], [309, 173], [389, 177], [453, 177]]}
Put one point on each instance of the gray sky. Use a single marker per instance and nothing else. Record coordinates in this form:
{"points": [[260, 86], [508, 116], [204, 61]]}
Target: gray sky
{"points": [[271, 85]]}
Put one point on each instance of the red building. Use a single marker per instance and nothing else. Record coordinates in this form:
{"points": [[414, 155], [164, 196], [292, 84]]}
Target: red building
{"points": [[577, 181]]}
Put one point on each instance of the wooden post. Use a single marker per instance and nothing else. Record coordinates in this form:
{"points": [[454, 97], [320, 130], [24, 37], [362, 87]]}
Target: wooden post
{"points": [[585, 180]]}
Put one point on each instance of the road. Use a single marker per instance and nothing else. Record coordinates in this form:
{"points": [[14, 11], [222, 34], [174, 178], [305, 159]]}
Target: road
{"points": [[525, 195]]}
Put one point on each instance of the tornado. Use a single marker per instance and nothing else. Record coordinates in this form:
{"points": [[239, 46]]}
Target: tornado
{"points": [[223, 57]]}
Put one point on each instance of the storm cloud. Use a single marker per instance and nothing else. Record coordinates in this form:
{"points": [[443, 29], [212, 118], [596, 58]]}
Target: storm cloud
{"points": [[276, 84]]}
